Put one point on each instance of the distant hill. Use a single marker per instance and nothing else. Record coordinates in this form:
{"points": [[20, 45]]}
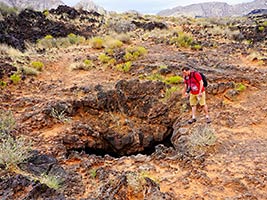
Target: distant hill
{"points": [[49, 4], [34, 4], [215, 9], [89, 5]]}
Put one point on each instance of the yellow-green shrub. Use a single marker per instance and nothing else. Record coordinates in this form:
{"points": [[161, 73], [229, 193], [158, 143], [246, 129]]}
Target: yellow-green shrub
{"points": [[47, 42], [169, 92], [182, 40], [85, 65], [111, 43], [240, 87], [124, 67], [97, 43], [15, 78], [37, 65], [75, 39], [174, 80]]}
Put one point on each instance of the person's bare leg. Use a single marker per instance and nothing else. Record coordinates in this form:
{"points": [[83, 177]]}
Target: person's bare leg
{"points": [[206, 111], [207, 114], [194, 108]]}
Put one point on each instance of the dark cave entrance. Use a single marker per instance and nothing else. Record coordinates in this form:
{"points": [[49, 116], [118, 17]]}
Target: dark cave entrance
{"points": [[147, 151]]}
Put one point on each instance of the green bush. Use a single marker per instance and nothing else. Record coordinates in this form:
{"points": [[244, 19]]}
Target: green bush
{"points": [[97, 43], [174, 80], [240, 87], [124, 67], [74, 39], [155, 77], [3, 84], [15, 78], [261, 28], [46, 12], [128, 57], [47, 42], [197, 47], [134, 52], [111, 43], [48, 37], [37, 65], [182, 40], [85, 65], [169, 92], [51, 181], [103, 58]]}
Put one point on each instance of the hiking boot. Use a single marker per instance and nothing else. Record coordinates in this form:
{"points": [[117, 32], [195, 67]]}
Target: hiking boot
{"points": [[191, 121], [208, 120]]}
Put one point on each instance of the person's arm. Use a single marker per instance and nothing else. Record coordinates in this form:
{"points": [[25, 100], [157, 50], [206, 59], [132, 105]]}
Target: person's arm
{"points": [[184, 91], [200, 87]]}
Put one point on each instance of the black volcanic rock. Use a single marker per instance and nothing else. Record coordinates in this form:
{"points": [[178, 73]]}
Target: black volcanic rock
{"points": [[31, 25]]}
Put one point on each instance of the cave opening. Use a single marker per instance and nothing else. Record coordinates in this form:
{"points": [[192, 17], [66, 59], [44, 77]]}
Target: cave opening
{"points": [[147, 151]]}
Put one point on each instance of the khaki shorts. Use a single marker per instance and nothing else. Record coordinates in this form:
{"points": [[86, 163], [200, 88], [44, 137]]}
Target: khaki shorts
{"points": [[193, 99]]}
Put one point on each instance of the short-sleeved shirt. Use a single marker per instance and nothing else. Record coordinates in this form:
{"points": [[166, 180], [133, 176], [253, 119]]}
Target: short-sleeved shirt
{"points": [[193, 81]]}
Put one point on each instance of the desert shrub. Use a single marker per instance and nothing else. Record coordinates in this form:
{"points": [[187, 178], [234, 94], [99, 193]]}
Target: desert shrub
{"points": [[85, 65], [261, 28], [155, 77], [124, 37], [5, 10], [111, 43], [103, 58], [15, 78], [97, 43], [169, 93], [8, 50], [120, 25], [62, 42], [3, 84], [13, 151], [124, 67], [129, 56], [224, 31], [163, 67], [30, 71], [46, 12], [196, 47], [146, 174], [7, 121], [93, 173], [201, 138], [75, 39], [240, 87], [134, 52], [174, 80], [59, 115], [37, 65], [134, 181], [52, 181], [182, 40], [47, 42], [254, 56]]}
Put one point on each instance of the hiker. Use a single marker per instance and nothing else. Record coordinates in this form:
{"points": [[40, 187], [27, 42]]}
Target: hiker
{"points": [[194, 87]]}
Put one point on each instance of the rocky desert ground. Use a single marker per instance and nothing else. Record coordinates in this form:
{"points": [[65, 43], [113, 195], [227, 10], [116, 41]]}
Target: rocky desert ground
{"points": [[91, 107]]}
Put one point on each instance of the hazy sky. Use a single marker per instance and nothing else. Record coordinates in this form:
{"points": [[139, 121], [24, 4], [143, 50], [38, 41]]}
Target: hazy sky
{"points": [[147, 6]]}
